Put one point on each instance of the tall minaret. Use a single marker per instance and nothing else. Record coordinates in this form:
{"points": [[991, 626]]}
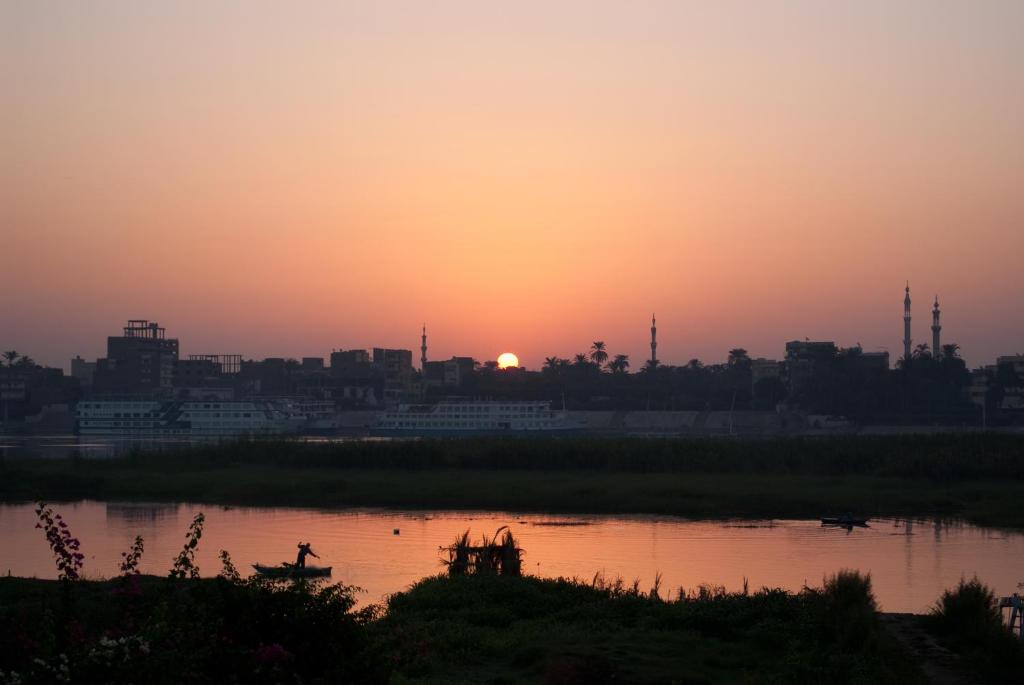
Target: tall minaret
{"points": [[423, 349], [906, 324], [936, 328], [654, 341]]}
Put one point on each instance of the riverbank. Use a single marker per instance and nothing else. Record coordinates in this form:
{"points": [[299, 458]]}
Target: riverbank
{"points": [[445, 629], [975, 477]]}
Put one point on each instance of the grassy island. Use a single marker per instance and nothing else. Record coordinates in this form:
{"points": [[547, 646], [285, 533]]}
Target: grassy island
{"points": [[977, 477]]}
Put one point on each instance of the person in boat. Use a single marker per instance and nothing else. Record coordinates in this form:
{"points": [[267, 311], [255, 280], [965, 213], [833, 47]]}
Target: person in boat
{"points": [[304, 550]]}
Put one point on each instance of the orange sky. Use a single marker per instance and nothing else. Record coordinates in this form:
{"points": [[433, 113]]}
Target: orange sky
{"points": [[277, 180]]}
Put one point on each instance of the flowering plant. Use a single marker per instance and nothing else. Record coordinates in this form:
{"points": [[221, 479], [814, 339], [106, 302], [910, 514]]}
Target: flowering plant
{"points": [[62, 544], [185, 563], [130, 559]]}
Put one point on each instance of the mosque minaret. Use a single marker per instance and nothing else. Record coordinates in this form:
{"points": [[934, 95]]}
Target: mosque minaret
{"points": [[423, 349], [906, 324], [654, 341], [936, 330]]}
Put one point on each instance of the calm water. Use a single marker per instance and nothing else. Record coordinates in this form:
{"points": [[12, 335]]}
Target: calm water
{"points": [[910, 562]]}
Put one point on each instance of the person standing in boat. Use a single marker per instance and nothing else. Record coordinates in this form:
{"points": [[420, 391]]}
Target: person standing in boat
{"points": [[304, 550]]}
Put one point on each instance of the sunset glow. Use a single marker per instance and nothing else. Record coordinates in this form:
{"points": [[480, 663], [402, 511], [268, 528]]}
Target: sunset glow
{"points": [[296, 182]]}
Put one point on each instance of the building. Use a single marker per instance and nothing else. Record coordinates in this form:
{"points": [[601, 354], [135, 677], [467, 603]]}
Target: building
{"points": [[874, 361], [83, 371], [761, 369], [312, 364], [196, 373], [451, 373], [350, 364], [801, 358], [140, 362], [396, 365], [1009, 374]]}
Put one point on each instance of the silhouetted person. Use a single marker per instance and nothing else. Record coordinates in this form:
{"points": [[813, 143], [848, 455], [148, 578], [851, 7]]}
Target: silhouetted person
{"points": [[304, 549]]}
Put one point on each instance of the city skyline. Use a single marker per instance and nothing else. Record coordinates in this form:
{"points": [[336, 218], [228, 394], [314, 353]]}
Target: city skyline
{"points": [[927, 338], [522, 179]]}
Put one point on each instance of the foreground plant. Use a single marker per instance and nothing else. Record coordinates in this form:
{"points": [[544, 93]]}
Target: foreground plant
{"points": [[228, 571], [185, 563], [130, 560], [64, 546], [489, 557]]}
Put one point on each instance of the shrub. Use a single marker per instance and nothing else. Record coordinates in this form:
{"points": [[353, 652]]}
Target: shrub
{"points": [[968, 619], [970, 611], [848, 609]]}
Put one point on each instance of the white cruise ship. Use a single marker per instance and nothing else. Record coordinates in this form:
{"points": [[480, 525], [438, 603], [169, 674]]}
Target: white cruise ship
{"points": [[473, 417], [146, 419]]}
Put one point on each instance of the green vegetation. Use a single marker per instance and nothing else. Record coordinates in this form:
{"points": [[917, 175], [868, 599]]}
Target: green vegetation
{"points": [[148, 629], [976, 476], [477, 628], [473, 629], [967, 620]]}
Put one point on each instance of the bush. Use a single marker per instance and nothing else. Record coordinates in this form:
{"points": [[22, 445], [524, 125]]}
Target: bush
{"points": [[849, 609], [970, 612], [967, 619]]}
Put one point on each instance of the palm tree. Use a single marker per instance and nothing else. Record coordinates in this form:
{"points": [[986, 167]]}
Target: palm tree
{"points": [[951, 351], [580, 360], [598, 353], [737, 356], [26, 362], [650, 365], [921, 350], [620, 364], [551, 363]]}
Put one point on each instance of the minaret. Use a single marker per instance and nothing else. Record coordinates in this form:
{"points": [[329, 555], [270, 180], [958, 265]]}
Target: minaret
{"points": [[936, 328], [423, 349], [654, 341], [906, 324]]}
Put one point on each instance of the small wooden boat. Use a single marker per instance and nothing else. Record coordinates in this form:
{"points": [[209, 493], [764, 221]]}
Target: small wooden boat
{"points": [[844, 521], [292, 571]]}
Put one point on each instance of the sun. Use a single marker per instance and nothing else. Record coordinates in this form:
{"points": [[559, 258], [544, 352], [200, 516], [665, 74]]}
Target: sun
{"points": [[507, 360]]}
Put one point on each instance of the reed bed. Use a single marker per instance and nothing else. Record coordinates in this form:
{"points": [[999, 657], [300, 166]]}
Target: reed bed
{"points": [[945, 457]]}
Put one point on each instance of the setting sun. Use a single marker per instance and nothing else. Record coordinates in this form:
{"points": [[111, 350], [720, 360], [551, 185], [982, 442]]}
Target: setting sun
{"points": [[507, 360]]}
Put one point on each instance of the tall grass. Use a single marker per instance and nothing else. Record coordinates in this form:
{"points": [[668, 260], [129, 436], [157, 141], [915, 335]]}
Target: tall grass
{"points": [[937, 457], [490, 557]]}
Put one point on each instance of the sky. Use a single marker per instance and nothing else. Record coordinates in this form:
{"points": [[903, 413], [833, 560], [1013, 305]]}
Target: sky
{"points": [[284, 179]]}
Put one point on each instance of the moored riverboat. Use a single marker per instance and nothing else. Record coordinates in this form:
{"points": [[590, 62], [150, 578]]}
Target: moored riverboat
{"points": [[475, 417]]}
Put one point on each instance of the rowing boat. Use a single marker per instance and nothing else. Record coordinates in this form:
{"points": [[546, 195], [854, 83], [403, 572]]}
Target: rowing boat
{"points": [[292, 571], [844, 521]]}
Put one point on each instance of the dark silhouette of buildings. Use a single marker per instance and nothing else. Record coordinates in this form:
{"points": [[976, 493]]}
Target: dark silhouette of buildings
{"points": [[140, 362]]}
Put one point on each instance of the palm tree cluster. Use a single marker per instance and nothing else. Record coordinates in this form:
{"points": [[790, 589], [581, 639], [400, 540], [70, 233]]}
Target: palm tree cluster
{"points": [[596, 359]]}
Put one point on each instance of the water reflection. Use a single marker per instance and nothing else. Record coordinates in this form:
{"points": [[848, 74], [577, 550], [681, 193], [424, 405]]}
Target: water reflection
{"points": [[140, 512], [911, 561]]}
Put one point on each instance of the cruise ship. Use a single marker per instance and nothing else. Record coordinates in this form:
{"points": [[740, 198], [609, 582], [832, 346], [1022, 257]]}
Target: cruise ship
{"points": [[185, 419], [452, 418]]}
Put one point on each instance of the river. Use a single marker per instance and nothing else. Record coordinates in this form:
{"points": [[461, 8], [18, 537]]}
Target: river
{"points": [[383, 552]]}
